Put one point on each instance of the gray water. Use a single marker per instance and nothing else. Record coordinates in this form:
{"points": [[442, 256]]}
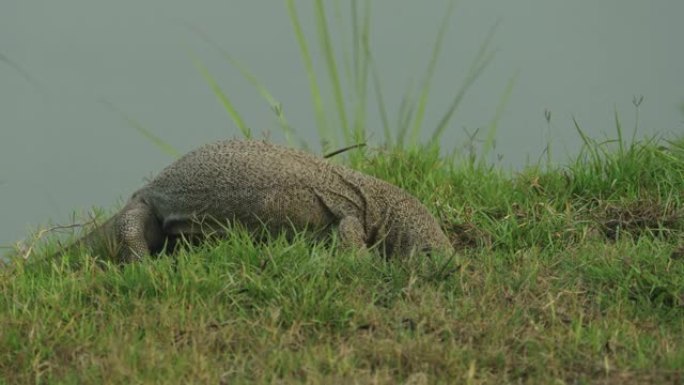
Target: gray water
{"points": [[61, 149]]}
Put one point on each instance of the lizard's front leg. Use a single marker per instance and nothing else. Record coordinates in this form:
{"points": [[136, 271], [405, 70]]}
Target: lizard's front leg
{"points": [[352, 234], [138, 231]]}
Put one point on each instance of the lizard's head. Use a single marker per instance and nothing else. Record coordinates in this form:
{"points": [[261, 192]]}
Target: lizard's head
{"points": [[421, 235], [432, 242]]}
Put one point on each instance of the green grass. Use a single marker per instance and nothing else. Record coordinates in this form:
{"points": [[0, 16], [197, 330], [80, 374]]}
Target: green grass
{"points": [[352, 76], [564, 274], [569, 275]]}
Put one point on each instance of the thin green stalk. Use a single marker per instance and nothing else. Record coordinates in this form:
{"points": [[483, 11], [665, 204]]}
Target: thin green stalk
{"points": [[362, 76], [327, 48], [223, 98], [480, 62], [547, 148], [274, 104], [618, 127], [316, 98], [21, 71], [501, 106], [406, 110], [636, 101], [380, 100], [589, 144], [157, 141], [427, 80], [356, 49], [347, 56]]}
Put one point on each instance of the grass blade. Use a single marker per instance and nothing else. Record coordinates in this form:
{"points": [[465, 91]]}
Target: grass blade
{"points": [[21, 71], [589, 144], [406, 109], [164, 146], [223, 98], [425, 89], [326, 46], [618, 127], [501, 106], [316, 98], [480, 62], [380, 100], [274, 104], [361, 74], [339, 22]]}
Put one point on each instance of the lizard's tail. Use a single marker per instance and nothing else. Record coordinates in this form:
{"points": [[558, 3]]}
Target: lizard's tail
{"points": [[100, 239]]}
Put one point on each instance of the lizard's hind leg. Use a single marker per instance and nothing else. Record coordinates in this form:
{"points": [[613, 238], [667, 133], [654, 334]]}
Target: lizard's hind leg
{"points": [[139, 231]]}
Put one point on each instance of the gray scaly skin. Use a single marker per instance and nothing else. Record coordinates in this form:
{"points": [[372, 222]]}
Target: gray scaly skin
{"points": [[263, 185]]}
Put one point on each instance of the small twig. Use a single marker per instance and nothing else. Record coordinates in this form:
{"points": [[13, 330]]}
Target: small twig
{"points": [[341, 150], [26, 250]]}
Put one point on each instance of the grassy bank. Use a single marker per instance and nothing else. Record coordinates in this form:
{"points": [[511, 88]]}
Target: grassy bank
{"points": [[570, 275], [565, 275]]}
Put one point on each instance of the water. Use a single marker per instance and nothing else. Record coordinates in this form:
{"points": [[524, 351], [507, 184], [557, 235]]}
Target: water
{"points": [[62, 149]]}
